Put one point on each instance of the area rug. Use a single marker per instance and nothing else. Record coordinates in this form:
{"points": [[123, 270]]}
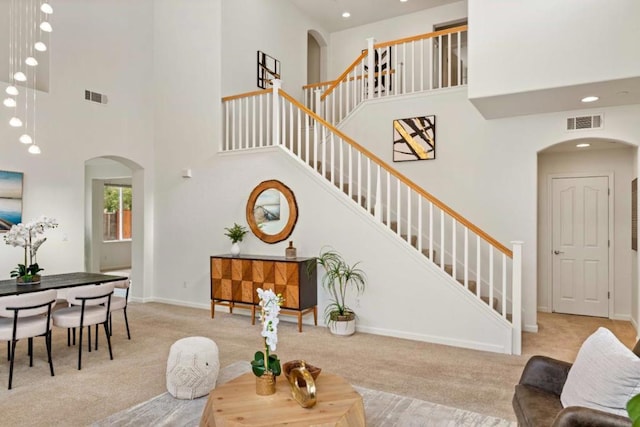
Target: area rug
{"points": [[381, 409]]}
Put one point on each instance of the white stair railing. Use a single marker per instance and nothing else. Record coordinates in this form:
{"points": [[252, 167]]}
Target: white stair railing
{"points": [[484, 266], [414, 64]]}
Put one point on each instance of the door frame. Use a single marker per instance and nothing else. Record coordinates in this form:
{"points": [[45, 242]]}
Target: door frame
{"points": [[549, 236]]}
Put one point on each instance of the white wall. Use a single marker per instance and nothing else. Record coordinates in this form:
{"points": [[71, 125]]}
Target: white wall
{"points": [[422, 301], [98, 45], [346, 45], [273, 26], [485, 170], [187, 117], [619, 162], [550, 44]]}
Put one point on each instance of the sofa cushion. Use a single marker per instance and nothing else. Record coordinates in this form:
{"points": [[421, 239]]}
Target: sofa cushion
{"points": [[535, 407], [605, 375]]}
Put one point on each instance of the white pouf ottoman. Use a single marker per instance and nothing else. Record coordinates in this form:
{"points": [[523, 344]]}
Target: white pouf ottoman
{"points": [[192, 367]]}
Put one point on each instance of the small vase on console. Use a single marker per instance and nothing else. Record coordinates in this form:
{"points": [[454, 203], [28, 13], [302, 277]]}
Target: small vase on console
{"points": [[235, 249]]}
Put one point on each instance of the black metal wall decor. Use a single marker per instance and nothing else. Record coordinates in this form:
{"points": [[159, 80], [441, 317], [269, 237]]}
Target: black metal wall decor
{"points": [[268, 69], [382, 80], [414, 139]]}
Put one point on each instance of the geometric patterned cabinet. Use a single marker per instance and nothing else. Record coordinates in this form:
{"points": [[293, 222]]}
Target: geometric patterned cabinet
{"points": [[234, 281]]}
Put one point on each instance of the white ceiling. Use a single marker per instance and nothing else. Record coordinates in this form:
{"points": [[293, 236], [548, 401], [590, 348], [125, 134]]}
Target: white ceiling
{"points": [[328, 13]]}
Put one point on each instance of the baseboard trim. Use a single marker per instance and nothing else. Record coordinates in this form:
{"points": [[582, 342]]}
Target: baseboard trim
{"points": [[624, 317], [530, 328], [434, 339]]}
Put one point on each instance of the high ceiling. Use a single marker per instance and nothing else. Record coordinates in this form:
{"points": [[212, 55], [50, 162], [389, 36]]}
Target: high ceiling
{"points": [[328, 13]]}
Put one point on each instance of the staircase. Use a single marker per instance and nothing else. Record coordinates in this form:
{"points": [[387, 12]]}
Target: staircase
{"points": [[470, 257]]}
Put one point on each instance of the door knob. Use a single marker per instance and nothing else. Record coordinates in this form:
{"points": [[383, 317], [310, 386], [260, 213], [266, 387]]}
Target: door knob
{"points": [[558, 252]]}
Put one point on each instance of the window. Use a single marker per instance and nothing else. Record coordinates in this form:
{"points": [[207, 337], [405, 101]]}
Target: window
{"points": [[116, 221]]}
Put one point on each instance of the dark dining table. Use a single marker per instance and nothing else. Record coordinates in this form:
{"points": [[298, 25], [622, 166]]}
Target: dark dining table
{"points": [[57, 281]]}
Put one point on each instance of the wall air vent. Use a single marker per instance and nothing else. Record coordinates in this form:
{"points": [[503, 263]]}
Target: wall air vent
{"points": [[95, 97], [584, 122]]}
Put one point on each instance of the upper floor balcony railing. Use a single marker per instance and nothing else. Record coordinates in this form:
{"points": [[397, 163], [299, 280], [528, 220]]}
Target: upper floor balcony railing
{"points": [[413, 64]]}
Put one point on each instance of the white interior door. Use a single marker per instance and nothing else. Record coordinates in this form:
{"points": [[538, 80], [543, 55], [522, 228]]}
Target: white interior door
{"points": [[580, 245]]}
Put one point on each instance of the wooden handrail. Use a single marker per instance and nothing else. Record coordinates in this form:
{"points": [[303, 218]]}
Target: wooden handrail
{"points": [[337, 81], [246, 95], [327, 83], [462, 220], [344, 74], [422, 36], [320, 84]]}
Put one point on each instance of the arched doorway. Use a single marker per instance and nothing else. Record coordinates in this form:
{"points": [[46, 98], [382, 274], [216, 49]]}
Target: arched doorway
{"points": [[116, 250], [585, 260], [316, 54]]}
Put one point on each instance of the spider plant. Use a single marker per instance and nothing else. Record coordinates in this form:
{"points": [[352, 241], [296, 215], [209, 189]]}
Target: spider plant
{"points": [[339, 277]]}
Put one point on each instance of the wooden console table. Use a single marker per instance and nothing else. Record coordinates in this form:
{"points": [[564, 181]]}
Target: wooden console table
{"points": [[234, 281]]}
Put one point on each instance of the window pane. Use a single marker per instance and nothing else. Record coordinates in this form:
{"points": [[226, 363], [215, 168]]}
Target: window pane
{"points": [[117, 223]]}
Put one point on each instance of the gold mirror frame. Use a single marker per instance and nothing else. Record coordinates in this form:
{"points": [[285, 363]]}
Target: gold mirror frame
{"points": [[293, 211]]}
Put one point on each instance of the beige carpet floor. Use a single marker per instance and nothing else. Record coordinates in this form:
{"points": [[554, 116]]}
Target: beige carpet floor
{"points": [[473, 380]]}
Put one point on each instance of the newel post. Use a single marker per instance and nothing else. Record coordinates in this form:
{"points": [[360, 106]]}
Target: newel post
{"points": [[516, 297], [275, 104], [370, 67]]}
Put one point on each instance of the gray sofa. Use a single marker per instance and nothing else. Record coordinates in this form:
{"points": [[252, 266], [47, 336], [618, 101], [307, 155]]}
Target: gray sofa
{"points": [[536, 400]]}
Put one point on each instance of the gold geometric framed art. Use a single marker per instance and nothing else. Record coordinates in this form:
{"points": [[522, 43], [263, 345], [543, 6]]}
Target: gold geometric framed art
{"points": [[414, 139]]}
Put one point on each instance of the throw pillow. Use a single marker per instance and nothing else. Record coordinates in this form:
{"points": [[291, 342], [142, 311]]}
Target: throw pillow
{"points": [[605, 375]]}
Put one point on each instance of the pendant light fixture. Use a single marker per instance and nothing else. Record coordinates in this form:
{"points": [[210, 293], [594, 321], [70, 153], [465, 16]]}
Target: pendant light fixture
{"points": [[29, 30]]}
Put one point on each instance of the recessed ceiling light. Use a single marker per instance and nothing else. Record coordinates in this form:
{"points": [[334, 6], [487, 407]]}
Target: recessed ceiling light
{"points": [[583, 145], [589, 99], [403, 1], [346, 14]]}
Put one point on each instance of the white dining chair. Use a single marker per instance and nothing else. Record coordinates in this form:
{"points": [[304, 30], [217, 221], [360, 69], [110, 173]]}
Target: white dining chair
{"points": [[89, 305], [120, 303], [26, 316]]}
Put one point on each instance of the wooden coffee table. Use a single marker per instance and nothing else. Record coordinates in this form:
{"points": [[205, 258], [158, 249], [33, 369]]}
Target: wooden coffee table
{"points": [[236, 404]]}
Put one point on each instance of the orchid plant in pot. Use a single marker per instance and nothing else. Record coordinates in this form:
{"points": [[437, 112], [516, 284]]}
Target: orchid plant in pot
{"points": [[30, 237], [266, 365]]}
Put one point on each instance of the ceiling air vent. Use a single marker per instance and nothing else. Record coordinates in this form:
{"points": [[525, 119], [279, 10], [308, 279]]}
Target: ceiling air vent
{"points": [[95, 97], [584, 122]]}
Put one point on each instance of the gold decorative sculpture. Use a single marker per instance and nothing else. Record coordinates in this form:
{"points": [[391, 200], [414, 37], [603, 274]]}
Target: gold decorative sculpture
{"points": [[303, 387]]}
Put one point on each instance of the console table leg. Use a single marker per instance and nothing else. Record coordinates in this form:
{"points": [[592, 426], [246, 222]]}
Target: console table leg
{"points": [[213, 309], [315, 315], [299, 321], [253, 314]]}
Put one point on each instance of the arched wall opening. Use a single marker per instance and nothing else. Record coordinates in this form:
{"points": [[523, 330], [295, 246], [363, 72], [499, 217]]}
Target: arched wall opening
{"points": [[105, 256], [316, 57], [579, 160]]}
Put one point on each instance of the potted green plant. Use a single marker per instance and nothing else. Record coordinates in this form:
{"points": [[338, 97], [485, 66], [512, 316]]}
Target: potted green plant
{"points": [[339, 277], [236, 234], [633, 409]]}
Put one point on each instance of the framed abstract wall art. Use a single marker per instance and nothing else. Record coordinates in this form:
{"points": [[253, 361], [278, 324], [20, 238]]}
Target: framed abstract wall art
{"points": [[268, 69], [10, 199], [414, 139]]}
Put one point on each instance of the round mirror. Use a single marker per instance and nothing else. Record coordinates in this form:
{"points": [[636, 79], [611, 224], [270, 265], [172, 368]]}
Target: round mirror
{"points": [[272, 211]]}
